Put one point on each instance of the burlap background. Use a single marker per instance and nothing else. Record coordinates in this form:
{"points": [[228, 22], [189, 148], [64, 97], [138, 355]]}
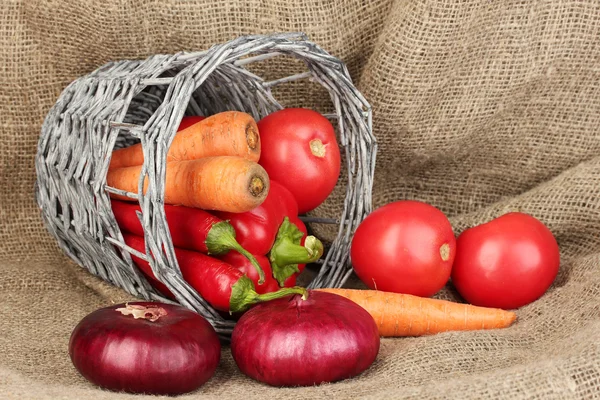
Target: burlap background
{"points": [[480, 107]]}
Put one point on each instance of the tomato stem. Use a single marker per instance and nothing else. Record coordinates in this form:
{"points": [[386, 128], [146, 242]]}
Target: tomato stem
{"points": [[445, 251], [317, 148]]}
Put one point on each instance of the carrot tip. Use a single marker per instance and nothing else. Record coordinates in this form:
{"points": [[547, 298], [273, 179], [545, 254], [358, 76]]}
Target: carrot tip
{"points": [[257, 186], [252, 137]]}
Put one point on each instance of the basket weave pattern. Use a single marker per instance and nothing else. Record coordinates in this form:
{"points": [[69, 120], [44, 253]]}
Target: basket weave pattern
{"points": [[144, 100]]}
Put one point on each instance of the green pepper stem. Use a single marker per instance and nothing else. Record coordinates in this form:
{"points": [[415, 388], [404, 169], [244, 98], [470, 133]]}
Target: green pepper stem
{"points": [[282, 293], [253, 261], [243, 295], [221, 239], [287, 253]]}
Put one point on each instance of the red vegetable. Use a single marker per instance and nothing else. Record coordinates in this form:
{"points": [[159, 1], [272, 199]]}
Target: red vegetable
{"points": [[189, 121], [300, 225], [404, 247], [296, 342], [256, 229], [190, 228], [268, 229], [240, 262], [287, 201], [506, 263], [220, 284], [299, 150], [141, 347]]}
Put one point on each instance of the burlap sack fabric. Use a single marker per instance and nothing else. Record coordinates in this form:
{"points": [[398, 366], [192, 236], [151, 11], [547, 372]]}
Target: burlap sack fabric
{"points": [[479, 107]]}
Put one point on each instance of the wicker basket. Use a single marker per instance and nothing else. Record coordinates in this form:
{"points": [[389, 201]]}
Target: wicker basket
{"points": [[144, 100]]}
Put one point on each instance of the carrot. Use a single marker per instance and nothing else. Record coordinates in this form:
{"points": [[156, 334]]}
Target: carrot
{"points": [[223, 183], [406, 315], [229, 133]]}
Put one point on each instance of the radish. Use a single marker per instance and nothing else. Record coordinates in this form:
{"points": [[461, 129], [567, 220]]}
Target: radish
{"points": [[302, 342]]}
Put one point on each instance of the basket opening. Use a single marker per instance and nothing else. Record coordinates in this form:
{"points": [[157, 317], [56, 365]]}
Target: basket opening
{"points": [[258, 88], [240, 88], [228, 88], [303, 92]]}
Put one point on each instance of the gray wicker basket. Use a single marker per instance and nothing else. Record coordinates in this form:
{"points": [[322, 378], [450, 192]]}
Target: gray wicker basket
{"points": [[144, 100]]}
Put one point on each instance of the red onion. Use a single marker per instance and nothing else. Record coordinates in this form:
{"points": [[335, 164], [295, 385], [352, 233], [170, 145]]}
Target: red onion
{"points": [[145, 347], [296, 342]]}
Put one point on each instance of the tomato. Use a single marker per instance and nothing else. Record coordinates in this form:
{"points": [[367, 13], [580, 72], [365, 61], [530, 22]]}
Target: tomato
{"points": [[404, 247], [506, 263], [300, 151]]}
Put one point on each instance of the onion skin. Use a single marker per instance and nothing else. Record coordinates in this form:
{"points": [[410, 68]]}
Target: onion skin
{"points": [[175, 354], [296, 342]]}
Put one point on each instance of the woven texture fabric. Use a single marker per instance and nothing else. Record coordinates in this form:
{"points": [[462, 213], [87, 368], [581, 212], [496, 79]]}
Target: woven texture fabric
{"points": [[479, 108]]}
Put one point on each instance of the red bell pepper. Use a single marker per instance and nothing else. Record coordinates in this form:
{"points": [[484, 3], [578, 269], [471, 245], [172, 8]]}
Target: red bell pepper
{"points": [[190, 228], [256, 229], [268, 230], [221, 285], [240, 262], [189, 121]]}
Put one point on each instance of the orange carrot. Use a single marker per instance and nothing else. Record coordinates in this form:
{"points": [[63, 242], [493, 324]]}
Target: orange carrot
{"points": [[406, 315], [229, 133], [223, 183]]}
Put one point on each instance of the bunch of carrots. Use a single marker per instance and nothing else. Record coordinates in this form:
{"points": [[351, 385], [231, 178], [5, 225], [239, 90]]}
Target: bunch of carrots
{"points": [[211, 164], [212, 169]]}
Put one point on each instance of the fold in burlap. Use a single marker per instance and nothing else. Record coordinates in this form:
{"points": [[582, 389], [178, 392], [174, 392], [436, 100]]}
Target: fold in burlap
{"points": [[479, 108]]}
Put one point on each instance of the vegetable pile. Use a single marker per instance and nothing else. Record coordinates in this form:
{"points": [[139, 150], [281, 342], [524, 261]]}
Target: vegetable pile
{"points": [[234, 193], [237, 236]]}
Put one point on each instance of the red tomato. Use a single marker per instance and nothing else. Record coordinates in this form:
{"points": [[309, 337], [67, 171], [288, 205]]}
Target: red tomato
{"points": [[300, 151], [404, 247], [506, 263]]}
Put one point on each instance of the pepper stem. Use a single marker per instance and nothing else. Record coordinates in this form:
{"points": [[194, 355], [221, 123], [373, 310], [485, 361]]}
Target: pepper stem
{"points": [[221, 239], [243, 295], [287, 252]]}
